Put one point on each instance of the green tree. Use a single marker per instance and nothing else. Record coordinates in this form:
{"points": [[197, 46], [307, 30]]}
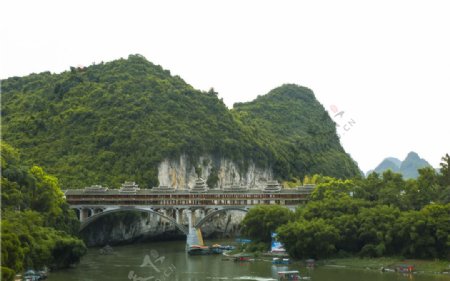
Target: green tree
{"points": [[445, 170], [392, 190], [333, 188], [309, 239], [36, 221], [375, 234], [262, 220], [118, 121], [369, 188]]}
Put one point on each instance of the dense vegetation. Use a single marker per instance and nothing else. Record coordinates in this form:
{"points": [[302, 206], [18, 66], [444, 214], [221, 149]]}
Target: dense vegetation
{"points": [[117, 121], [37, 226], [298, 132], [378, 216]]}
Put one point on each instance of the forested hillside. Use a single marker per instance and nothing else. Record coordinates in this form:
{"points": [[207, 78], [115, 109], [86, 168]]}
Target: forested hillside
{"points": [[295, 127], [116, 121], [37, 227], [378, 216]]}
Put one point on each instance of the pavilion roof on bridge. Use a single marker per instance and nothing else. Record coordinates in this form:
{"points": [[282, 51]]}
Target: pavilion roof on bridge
{"points": [[110, 191]]}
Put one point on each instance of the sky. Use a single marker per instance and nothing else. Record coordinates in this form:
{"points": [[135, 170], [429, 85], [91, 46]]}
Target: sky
{"points": [[381, 68]]}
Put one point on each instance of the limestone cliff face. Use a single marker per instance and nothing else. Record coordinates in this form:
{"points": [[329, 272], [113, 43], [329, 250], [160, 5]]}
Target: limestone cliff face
{"points": [[223, 225], [181, 173], [128, 227]]}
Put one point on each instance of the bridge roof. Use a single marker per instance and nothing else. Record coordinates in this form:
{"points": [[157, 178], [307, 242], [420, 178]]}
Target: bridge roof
{"points": [[185, 191]]}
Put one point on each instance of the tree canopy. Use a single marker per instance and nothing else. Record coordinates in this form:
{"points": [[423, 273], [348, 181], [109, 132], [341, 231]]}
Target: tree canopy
{"points": [[383, 215], [37, 227], [116, 121]]}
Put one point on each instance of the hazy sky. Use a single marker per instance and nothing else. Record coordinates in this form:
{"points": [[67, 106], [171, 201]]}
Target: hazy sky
{"points": [[386, 64]]}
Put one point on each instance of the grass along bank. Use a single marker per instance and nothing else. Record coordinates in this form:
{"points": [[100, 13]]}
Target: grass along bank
{"points": [[420, 266]]}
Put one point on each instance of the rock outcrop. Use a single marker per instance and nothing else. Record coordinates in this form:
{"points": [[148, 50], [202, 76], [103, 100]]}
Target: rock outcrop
{"points": [[219, 173]]}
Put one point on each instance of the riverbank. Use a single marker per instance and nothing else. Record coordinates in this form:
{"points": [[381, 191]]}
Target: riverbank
{"points": [[390, 263], [386, 264]]}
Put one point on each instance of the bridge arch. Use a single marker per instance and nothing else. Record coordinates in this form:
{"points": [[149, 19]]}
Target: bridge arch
{"points": [[222, 210], [94, 217]]}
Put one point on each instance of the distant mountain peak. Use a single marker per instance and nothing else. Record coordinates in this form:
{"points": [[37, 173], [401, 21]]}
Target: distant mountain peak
{"points": [[389, 163], [408, 167], [412, 155]]}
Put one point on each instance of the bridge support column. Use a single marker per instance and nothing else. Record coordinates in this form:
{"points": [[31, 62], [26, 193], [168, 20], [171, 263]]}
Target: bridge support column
{"points": [[177, 216], [190, 219], [202, 213], [84, 214], [192, 237]]}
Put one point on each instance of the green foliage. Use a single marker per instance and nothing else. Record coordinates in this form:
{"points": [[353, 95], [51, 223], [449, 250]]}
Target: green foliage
{"points": [[386, 216], [213, 177], [375, 230], [333, 188], [12, 253], [392, 189], [306, 239], [262, 220], [36, 245], [7, 274], [298, 132], [445, 170], [117, 121], [37, 224], [255, 247]]}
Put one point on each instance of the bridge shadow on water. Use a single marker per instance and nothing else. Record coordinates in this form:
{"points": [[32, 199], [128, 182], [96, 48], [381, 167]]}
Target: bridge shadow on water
{"points": [[133, 226]]}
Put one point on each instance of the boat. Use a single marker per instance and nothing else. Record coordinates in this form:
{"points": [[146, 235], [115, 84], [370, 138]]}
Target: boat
{"points": [[219, 249], [288, 275], [244, 258], [205, 250], [106, 250], [311, 263], [405, 268], [280, 261], [198, 250], [216, 249], [227, 247], [31, 275]]}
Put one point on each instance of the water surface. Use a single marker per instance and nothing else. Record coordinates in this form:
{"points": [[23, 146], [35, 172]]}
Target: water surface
{"points": [[169, 261]]}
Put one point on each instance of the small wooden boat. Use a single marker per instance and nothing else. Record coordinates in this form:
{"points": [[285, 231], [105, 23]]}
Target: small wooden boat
{"points": [[242, 259], [280, 261], [219, 249], [31, 275], [199, 250], [288, 275], [107, 250]]}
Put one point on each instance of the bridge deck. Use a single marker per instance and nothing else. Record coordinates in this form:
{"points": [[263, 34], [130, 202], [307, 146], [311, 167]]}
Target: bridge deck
{"points": [[186, 198]]}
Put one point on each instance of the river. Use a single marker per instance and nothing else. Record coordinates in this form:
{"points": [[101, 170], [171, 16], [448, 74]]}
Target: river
{"points": [[168, 261]]}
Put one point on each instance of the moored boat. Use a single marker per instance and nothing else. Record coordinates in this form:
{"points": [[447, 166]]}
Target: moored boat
{"points": [[243, 259], [198, 250], [288, 275], [280, 261], [31, 275]]}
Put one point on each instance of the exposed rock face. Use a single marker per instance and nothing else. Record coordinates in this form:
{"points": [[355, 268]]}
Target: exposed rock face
{"points": [[181, 173], [130, 226], [223, 225]]}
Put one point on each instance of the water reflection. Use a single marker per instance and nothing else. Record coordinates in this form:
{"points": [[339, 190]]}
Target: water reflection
{"points": [[168, 261]]}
